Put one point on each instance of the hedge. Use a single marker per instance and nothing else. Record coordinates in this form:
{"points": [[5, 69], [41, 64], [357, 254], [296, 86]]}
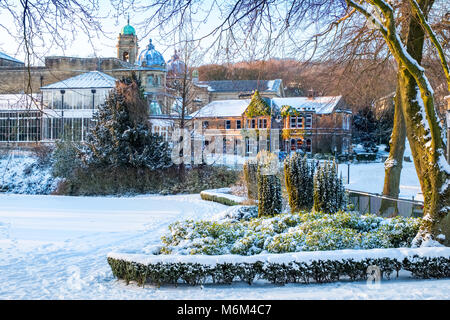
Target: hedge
{"points": [[300, 267], [221, 196]]}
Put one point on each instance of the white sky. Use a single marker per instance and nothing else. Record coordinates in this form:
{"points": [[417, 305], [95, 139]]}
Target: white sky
{"points": [[105, 45]]}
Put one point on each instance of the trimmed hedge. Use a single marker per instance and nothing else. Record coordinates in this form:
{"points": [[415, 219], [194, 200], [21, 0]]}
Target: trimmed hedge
{"points": [[216, 195], [320, 271]]}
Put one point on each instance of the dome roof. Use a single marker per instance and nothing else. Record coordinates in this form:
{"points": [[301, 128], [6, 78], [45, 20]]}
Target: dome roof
{"points": [[175, 65], [128, 30], [152, 58]]}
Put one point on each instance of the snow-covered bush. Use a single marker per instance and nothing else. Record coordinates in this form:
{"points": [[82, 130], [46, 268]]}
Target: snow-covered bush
{"points": [[299, 178], [250, 170], [280, 269], [26, 175], [304, 231], [329, 192], [222, 195], [269, 185], [237, 213], [122, 135]]}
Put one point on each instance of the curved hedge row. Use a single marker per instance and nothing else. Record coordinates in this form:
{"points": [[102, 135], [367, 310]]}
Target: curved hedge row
{"points": [[278, 272]]}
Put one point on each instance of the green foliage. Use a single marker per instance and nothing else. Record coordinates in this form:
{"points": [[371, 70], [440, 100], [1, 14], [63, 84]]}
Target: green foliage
{"points": [[257, 107], [269, 194], [66, 159], [304, 231], [329, 191], [219, 199], [122, 135], [299, 179], [320, 271], [289, 111], [269, 186], [97, 180]]}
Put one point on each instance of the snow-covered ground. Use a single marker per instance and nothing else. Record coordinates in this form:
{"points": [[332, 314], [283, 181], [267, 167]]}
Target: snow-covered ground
{"points": [[55, 247]]}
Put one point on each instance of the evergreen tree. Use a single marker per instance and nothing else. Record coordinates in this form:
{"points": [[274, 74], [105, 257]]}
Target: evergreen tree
{"points": [[299, 177], [269, 185], [122, 135], [329, 191]]}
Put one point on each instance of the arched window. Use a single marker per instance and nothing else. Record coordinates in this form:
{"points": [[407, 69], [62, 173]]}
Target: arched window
{"points": [[126, 56], [308, 145]]}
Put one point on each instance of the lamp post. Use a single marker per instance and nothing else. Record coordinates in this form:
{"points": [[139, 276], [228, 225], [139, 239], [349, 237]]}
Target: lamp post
{"points": [[93, 98], [62, 110]]}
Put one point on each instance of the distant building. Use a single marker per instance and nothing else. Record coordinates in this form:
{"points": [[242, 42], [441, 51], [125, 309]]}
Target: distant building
{"points": [[7, 61], [309, 124], [68, 106]]}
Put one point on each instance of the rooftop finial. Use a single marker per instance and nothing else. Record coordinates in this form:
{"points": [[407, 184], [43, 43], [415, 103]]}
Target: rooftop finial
{"points": [[128, 20]]}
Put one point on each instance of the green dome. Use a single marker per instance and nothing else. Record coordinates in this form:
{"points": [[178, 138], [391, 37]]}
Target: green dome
{"points": [[128, 30]]}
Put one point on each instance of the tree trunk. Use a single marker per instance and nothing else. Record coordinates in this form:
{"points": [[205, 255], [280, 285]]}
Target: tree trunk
{"points": [[422, 125], [393, 165]]}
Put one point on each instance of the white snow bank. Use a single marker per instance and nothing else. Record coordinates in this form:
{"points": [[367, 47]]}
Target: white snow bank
{"points": [[222, 193], [305, 256], [24, 175]]}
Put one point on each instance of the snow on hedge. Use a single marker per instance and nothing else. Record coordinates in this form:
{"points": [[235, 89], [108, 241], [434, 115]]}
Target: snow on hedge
{"points": [[222, 195], [25, 175], [398, 254]]}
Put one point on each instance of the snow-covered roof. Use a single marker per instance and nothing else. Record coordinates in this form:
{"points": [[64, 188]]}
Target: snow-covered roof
{"points": [[161, 122], [222, 108], [92, 79], [320, 105], [6, 57], [241, 85], [19, 101]]}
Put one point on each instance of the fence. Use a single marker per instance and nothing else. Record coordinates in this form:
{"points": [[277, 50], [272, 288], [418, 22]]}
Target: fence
{"points": [[366, 202]]}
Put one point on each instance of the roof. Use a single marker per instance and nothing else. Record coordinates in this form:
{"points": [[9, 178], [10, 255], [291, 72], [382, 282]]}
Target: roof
{"points": [[222, 108], [241, 85], [92, 79], [320, 105], [6, 57], [19, 101], [235, 108], [150, 58]]}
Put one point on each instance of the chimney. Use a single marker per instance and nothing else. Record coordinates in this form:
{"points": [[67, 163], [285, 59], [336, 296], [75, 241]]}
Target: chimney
{"points": [[311, 94]]}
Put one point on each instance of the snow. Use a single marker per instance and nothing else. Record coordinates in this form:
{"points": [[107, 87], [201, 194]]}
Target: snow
{"points": [[55, 247], [321, 105], [222, 108], [428, 251], [223, 193], [23, 174]]}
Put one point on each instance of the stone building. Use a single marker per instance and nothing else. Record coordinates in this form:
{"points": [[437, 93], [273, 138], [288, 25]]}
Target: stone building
{"points": [[309, 124]]}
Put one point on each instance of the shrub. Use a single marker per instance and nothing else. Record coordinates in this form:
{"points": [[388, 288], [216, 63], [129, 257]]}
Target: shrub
{"points": [[66, 159], [299, 178], [250, 169], [326, 269], [329, 191], [269, 195], [304, 231], [98, 180]]}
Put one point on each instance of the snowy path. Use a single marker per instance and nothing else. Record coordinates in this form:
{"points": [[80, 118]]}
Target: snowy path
{"points": [[54, 247]]}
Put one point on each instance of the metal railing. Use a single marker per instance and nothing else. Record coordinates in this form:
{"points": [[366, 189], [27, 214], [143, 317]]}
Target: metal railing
{"points": [[365, 202]]}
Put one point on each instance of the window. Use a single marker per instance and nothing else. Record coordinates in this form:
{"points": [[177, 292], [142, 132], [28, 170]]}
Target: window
{"points": [[205, 124], [227, 124], [308, 145], [262, 123], [238, 124], [150, 81], [253, 124], [293, 122], [308, 122], [299, 144], [300, 122]]}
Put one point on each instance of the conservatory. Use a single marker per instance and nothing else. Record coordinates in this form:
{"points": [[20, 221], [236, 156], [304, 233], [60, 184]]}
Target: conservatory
{"points": [[69, 105], [20, 118]]}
